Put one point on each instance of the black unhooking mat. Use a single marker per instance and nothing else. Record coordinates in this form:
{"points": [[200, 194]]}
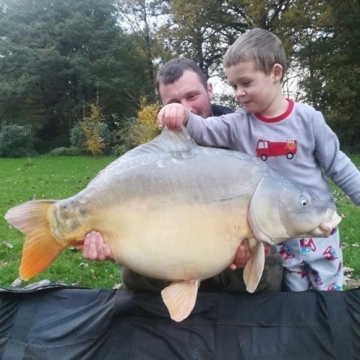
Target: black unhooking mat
{"points": [[47, 321]]}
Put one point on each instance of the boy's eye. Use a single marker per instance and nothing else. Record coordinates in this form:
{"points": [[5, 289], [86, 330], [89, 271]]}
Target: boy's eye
{"points": [[234, 87]]}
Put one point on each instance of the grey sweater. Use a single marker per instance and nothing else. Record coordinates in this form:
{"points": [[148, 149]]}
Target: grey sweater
{"points": [[298, 144]]}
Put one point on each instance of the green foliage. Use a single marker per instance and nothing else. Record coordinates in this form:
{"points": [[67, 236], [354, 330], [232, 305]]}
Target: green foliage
{"points": [[124, 136], [109, 137], [56, 56], [78, 138], [61, 151], [324, 38], [16, 141]]}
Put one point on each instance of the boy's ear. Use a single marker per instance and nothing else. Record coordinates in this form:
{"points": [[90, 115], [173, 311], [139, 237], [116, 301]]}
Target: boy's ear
{"points": [[277, 71]]}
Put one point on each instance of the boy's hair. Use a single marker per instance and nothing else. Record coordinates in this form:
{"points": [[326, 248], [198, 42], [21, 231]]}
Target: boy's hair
{"points": [[174, 70], [259, 46]]}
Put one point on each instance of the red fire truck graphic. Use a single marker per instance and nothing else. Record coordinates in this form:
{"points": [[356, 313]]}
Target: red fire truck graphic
{"points": [[266, 148]]}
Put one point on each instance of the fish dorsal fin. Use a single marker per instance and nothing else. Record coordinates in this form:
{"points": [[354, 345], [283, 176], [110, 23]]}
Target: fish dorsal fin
{"points": [[255, 265], [173, 144], [180, 297], [167, 142], [173, 141]]}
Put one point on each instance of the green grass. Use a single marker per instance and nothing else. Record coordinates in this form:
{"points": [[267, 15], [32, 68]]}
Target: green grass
{"points": [[49, 178], [349, 226], [46, 177]]}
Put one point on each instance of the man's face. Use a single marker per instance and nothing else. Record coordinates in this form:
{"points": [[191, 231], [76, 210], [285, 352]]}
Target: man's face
{"points": [[189, 91]]}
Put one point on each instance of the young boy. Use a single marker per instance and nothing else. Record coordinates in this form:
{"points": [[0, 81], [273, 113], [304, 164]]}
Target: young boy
{"points": [[292, 138]]}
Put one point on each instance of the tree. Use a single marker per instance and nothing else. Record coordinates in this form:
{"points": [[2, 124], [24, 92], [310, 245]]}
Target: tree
{"points": [[140, 18], [328, 50], [91, 126], [57, 56], [204, 29]]}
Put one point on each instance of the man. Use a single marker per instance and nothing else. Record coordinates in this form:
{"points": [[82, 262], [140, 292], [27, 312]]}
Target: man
{"points": [[182, 81]]}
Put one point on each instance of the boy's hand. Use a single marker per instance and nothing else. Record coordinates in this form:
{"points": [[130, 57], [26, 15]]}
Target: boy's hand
{"points": [[173, 116]]}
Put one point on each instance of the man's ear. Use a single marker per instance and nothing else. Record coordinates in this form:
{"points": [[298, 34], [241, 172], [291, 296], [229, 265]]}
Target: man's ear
{"points": [[277, 71], [210, 90]]}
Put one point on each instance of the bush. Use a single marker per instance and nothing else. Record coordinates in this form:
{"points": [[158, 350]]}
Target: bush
{"points": [[109, 138], [78, 139], [106, 136], [125, 140], [119, 150], [74, 151], [16, 141], [61, 151], [135, 131]]}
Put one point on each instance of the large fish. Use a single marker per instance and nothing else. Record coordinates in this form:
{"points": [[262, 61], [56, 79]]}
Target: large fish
{"points": [[172, 210]]}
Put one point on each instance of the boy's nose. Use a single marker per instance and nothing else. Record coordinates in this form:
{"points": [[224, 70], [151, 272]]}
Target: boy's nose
{"points": [[239, 92]]}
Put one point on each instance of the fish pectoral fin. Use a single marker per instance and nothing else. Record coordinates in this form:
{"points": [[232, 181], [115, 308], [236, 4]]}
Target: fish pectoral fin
{"points": [[180, 297], [255, 266], [41, 247]]}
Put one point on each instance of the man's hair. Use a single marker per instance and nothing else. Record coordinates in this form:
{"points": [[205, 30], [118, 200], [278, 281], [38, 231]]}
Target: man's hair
{"points": [[259, 46], [174, 70]]}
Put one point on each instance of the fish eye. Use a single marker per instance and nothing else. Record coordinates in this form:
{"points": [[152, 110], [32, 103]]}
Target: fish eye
{"points": [[303, 201]]}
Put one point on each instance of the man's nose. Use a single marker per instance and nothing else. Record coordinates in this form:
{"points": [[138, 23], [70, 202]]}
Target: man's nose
{"points": [[187, 105]]}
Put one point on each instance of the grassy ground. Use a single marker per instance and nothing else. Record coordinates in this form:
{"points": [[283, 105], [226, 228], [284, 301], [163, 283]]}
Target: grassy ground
{"points": [[350, 230], [49, 178], [60, 177]]}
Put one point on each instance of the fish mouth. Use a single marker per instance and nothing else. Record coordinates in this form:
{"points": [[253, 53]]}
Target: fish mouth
{"points": [[327, 226]]}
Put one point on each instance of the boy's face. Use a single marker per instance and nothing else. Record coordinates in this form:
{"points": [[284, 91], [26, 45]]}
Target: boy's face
{"points": [[189, 91], [253, 89]]}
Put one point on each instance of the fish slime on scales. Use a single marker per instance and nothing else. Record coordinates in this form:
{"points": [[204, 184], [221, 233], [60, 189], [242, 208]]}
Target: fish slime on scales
{"points": [[218, 198]]}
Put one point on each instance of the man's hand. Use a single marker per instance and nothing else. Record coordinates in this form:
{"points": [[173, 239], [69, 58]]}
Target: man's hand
{"points": [[95, 248], [243, 254], [173, 116]]}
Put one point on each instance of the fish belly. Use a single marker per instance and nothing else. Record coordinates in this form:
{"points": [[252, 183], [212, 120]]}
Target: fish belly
{"points": [[175, 242]]}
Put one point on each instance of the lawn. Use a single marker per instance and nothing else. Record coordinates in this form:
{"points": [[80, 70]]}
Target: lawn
{"points": [[46, 177]]}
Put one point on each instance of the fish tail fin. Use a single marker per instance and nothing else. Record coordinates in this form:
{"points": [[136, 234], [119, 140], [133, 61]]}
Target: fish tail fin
{"points": [[180, 297], [255, 266], [41, 247]]}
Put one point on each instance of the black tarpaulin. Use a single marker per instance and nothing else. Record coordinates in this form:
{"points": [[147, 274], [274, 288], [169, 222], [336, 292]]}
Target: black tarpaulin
{"points": [[46, 321]]}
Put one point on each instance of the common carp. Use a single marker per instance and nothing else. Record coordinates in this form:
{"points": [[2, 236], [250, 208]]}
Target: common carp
{"points": [[173, 210]]}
